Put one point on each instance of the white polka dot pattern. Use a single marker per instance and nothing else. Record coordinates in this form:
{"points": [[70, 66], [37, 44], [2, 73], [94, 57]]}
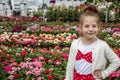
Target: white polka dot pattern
{"points": [[87, 56]]}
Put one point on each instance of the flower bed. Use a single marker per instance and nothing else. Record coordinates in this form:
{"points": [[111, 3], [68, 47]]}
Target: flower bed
{"points": [[41, 52], [33, 63]]}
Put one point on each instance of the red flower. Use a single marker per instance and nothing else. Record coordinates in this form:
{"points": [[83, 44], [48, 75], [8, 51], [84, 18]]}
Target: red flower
{"points": [[46, 59], [50, 77], [27, 42], [117, 51], [4, 62], [23, 53], [116, 30], [63, 78], [48, 71], [0, 59], [17, 28], [65, 56], [10, 55], [115, 74], [1, 52], [15, 39], [16, 75], [52, 53], [52, 1]]}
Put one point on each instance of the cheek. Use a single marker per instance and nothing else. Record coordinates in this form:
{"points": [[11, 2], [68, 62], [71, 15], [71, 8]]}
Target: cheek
{"points": [[97, 29]]}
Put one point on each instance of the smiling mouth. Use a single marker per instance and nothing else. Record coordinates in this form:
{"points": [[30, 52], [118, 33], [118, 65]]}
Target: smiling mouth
{"points": [[90, 33]]}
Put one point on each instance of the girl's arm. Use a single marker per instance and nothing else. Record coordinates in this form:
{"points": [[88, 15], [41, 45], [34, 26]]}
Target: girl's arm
{"points": [[113, 60]]}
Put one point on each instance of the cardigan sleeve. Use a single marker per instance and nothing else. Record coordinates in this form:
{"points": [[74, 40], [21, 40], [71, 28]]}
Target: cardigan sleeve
{"points": [[113, 59], [70, 63]]}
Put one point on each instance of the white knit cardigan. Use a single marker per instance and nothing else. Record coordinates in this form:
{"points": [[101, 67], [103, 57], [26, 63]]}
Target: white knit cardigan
{"points": [[101, 53]]}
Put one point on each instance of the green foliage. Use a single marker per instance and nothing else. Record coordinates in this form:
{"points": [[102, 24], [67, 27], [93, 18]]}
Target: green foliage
{"points": [[62, 14], [37, 13], [102, 14]]}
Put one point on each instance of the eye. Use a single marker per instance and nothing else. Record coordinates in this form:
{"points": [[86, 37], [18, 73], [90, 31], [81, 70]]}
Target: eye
{"points": [[86, 26], [94, 26]]}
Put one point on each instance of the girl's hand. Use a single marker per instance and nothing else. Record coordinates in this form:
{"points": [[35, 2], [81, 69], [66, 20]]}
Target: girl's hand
{"points": [[98, 74]]}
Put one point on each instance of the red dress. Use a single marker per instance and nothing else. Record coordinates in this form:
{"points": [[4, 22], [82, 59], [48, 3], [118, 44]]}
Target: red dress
{"points": [[88, 58]]}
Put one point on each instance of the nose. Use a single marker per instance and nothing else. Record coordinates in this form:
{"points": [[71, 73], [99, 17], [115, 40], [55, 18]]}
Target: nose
{"points": [[90, 28]]}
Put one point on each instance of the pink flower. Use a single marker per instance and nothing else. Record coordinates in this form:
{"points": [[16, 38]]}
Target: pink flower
{"points": [[33, 41], [37, 73], [28, 59], [12, 60], [14, 64], [62, 29], [11, 77], [67, 29], [67, 48], [34, 27], [44, 50], [41, 58], [35, 59], [26, 42], [38, 64], [28, 73], [58, 62], [39, 78], [17, 54], [4, 63], [8, 68], [65, 56], [114, 74], [57, 47], [63, 39], [116, 30], [33, 78], [50, 61], [75, 28], [52, 53]]}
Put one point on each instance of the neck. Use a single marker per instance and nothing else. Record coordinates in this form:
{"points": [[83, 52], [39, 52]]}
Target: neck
{"points": [[88, 41]]}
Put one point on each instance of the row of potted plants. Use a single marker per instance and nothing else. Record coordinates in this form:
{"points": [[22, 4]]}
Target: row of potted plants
{"points": [[41, 52], [42, 40], [27, 63], [33, 63]]}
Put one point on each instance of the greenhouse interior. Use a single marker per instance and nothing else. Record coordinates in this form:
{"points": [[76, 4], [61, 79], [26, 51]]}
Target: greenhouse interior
{"points": [[36, 36]]}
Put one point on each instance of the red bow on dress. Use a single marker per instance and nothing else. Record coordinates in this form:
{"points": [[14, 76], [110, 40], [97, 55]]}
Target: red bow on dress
{"points": [[87, 56]]}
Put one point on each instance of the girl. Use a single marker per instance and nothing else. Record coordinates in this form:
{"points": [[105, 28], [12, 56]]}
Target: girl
{"points": [[89, 55]]}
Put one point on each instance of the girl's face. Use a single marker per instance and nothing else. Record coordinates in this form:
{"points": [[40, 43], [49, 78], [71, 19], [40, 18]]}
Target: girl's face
{"points": [[89, 27]]}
